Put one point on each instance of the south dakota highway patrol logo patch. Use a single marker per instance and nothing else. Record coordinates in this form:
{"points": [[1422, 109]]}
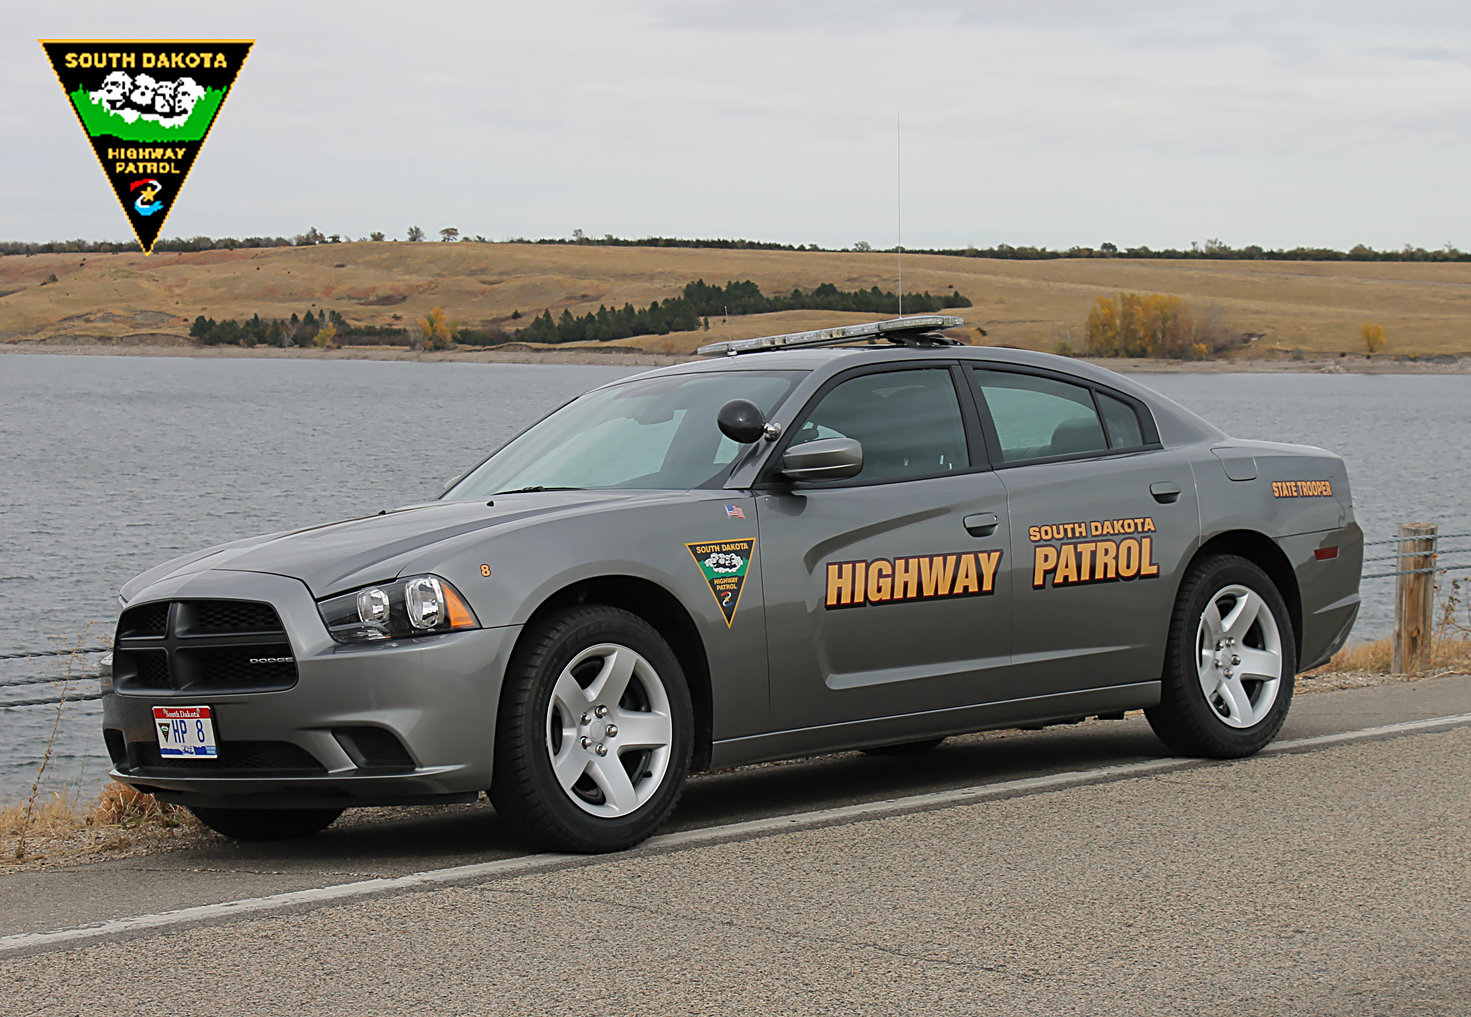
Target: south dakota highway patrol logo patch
{"points": [[146, 106], [724, 564]]}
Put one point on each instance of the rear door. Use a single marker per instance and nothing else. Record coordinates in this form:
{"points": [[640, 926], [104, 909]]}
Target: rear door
{"points": [[888, 594], [1102, 519]]}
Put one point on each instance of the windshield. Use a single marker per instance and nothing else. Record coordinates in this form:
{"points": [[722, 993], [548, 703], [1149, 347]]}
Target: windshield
{"points": [[658, 433]]}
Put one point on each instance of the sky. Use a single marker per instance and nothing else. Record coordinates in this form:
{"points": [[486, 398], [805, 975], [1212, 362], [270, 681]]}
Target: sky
{"points": [[1026, 122]]}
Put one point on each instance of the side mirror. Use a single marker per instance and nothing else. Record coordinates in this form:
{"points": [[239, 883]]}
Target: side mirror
{"points": [[824, 459], [741, 421]]}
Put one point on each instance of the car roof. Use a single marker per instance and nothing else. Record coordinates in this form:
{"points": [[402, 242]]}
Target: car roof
{"points": [[1177, 425]]}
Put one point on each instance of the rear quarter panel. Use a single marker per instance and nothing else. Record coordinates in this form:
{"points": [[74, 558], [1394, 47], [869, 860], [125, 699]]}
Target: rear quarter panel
{"points": [[1299, 497]]}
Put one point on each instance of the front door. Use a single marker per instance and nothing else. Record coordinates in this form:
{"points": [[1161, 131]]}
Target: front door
{"points": [[888, 594], [1102, 521]]}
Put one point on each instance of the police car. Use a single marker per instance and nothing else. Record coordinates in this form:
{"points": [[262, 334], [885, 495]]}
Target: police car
{"points": [[868, 537]]}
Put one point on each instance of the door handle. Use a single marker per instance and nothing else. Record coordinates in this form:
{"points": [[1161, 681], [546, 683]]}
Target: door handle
{"points": [[981, 524], [1165, 492]]}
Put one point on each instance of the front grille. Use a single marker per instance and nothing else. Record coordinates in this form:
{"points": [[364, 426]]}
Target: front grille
{"points": [[256, 758], [198, 617], [145, 621], [260, 665], [199, 646], [147, 669]]}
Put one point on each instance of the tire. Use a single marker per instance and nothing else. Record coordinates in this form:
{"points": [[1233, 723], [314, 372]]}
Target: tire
{"points": [[904, 748], [1230, 662], [266, 824], [595, 733]]}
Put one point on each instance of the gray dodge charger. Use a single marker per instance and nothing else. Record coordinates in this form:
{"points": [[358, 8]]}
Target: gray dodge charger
{"points": [[867, 537]]}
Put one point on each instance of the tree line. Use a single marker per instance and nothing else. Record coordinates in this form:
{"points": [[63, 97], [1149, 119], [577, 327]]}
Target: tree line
{"points": [[692, 310], [1210, 250], [746, 298], [701, 301], [326, 329], [673, 315]]}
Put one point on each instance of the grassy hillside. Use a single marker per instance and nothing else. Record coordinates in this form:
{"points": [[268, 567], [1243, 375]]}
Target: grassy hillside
{"points": [[1312, 306]]}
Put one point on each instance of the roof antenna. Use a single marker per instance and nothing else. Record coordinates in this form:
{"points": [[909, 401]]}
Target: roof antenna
{"points": [[899, 201]]}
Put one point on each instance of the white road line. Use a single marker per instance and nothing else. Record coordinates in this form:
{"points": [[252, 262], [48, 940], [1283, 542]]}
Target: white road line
{"points": [[683, 839]]}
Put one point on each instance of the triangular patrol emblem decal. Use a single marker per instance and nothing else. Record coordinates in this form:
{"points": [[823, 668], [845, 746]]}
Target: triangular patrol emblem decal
{"points": [[147, 106], [724, 564]]}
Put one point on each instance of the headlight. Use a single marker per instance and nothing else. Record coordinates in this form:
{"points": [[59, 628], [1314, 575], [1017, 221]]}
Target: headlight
{"points": [[419, 606]]}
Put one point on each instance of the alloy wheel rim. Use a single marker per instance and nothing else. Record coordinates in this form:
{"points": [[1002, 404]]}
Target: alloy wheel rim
{"points": [[1238, 656], [609, 730]]}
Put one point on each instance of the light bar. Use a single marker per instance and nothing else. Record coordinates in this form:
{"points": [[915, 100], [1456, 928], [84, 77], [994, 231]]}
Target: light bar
{"points": [[917, 324]]}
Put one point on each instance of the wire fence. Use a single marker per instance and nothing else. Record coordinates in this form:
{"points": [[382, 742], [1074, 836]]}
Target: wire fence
{"points": [[65, 694], [1435, 551], [56, 653], [79, 696]]}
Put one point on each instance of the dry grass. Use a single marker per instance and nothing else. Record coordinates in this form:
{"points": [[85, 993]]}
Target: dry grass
{"points": [[1369, 664], [1445, 655], [1317, 307], [63, 827]]}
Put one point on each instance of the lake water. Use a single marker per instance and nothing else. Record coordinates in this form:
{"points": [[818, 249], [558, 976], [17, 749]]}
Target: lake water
{"points": [[110, 465]]}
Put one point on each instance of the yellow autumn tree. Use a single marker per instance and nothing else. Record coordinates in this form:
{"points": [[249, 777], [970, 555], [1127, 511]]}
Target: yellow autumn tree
{"points": [[1149, 325], [326, 337], [435, 332], [1373, 337]]}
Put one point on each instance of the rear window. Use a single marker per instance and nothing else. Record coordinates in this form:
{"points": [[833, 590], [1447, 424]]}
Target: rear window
{"points": [[1037, 417]]}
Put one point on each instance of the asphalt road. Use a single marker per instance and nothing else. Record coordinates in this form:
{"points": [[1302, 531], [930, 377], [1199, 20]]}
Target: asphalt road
{"points": [[1332, 879]]}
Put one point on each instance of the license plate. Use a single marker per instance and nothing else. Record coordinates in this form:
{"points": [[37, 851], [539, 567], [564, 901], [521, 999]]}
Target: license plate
{"points": [[185, 731]]}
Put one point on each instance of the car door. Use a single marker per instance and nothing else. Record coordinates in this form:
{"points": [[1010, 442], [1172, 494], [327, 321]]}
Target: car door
{"points": [[1102, 519], [888, 593]]}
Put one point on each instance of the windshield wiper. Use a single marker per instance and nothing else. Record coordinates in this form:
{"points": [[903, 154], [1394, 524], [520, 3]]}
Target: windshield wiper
{"points": [[533, 489]]}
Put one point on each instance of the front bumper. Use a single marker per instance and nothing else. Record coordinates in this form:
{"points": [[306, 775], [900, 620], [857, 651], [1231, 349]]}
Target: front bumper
{"points": [[304, 746]]}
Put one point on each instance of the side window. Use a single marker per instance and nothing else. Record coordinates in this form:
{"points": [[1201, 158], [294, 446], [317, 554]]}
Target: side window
{"points": [[908, 422], [1037, 417], [1122, 421]]}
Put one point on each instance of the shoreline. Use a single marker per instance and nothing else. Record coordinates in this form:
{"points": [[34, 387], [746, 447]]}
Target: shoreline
{"points": [[615, 356]]}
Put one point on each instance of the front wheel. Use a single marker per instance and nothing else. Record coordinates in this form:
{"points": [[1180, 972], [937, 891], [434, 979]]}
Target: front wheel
{"points": [[266, 824], [1229, 663], [595, 733]]}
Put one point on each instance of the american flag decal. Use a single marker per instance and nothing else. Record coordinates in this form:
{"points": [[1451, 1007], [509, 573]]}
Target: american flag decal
{"points": [[734, 512]]}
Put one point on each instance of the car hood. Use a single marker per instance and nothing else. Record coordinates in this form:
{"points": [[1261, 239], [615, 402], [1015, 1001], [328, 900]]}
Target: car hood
{"points": [[356, 552]]}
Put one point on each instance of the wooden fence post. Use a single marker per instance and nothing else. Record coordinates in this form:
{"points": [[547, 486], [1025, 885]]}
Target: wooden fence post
{"points": [[1414, 598]]}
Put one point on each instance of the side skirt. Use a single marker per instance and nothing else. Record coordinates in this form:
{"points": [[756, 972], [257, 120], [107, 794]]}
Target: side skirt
{"points": [[811, 741]]}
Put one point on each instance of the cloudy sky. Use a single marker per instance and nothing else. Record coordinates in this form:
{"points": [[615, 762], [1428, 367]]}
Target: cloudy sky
{"points": [[1048, 122]]}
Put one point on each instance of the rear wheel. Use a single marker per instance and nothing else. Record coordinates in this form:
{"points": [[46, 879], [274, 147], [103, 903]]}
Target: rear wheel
{"points": [[266, 824], [1230, 662], [594, 737]]}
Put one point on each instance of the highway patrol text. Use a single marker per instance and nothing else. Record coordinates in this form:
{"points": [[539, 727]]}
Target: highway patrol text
{"points": [[1077, 560], [887, 581]]}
